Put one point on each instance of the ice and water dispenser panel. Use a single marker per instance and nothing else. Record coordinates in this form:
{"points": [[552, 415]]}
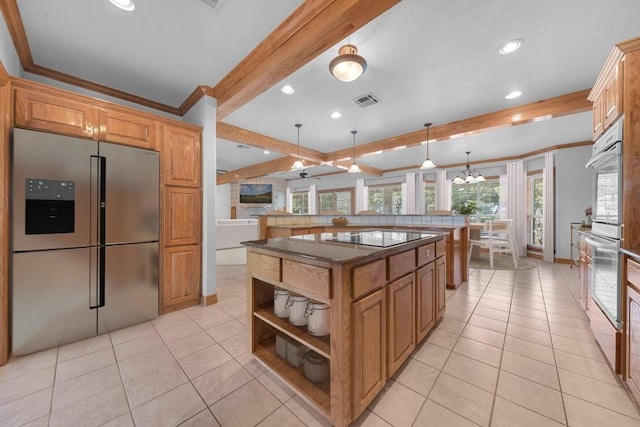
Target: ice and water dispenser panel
{"points": [[50, 206]]}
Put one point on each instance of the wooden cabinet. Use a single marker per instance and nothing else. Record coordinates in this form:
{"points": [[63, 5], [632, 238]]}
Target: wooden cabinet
{"points": [[607, 99], [124, 128], [425, 300], [585, 270], [304, 231], [598, 117], [182, 156], [633, 327], [56, 114], [182, 216], [181, 276], [401, 322], [441, 284], [369, 343]]}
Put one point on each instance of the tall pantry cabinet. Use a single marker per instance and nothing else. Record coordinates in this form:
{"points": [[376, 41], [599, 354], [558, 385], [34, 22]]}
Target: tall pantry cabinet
{"points": [[30, 105]]}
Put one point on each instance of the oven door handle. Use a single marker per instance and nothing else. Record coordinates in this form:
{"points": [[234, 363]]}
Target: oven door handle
{"points": [[600, 159]]}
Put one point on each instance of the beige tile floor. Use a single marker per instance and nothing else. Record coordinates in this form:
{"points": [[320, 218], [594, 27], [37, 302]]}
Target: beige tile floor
{"points": [[513, 349]]}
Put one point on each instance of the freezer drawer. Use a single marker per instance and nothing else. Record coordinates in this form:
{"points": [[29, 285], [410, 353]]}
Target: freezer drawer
{"points": [[131, 294], [51, 298]]}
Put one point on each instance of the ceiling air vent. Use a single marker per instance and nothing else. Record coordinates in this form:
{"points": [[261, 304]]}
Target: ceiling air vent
{"points": [[221, 171], [243, 147], [215, 4], [366, 100]]}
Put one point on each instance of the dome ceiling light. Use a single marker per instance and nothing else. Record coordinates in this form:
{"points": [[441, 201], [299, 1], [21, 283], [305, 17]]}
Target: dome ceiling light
{"points": [[427, 164], [354, 166], [348, 65], [468, 176], [287, 89], [298, 165], [513, 95]]}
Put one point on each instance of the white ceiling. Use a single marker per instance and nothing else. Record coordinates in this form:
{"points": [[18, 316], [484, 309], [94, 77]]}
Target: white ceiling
{"points": [[430, 60]]}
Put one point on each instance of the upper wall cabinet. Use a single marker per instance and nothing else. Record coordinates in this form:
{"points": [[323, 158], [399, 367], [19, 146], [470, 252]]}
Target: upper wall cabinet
{"points": [[182, 156], [37, 110], [606, 96], [128, 129]]}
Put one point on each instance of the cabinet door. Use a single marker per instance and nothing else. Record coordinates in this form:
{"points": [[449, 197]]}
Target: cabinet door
{"points": [[441, 284], [181, 277], [369, 349], [598, 116], [54, 114], [400, 322], [633, 333], [612, 98], [182, 216], [425, 300], [182, 156], [128, 129]]}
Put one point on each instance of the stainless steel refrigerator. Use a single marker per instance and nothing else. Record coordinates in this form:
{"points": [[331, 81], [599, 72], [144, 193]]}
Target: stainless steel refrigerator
{"points": [[84, 239]]}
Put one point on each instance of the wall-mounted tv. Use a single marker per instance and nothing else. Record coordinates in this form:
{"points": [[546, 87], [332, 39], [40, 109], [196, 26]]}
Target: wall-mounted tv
{"points": [[256, 193]]}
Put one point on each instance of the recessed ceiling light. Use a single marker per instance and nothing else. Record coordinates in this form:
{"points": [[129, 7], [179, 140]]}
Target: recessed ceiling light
{"points": [[124, 4], [266, 151], [336, 115], [514, 94], [510, 46], [287, 89]]}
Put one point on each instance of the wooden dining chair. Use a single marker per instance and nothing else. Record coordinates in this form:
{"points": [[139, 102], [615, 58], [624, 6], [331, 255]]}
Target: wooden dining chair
{"points": [[498, 238]]}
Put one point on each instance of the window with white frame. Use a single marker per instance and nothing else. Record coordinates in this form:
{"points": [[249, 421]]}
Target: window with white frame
{"points": [[386, 199], [339, 200], [535, 208], [486, 195], [300, 203], [429, 196]]}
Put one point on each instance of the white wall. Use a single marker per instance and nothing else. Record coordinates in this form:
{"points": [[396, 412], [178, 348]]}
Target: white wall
{"points": [[223, 201], [573, 194], [204, 114]]}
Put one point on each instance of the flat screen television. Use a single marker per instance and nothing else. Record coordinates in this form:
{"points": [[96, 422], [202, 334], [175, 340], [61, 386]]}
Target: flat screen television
{"points": [[256, 193]]}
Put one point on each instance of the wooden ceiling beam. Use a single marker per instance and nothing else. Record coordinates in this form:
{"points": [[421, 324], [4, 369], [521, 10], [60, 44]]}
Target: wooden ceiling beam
{"points": [[310, 30], [261, 169], [571, 103], [254, 139]]}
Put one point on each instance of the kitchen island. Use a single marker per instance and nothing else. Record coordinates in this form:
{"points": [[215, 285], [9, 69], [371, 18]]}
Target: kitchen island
{"points": [[384, 291]]}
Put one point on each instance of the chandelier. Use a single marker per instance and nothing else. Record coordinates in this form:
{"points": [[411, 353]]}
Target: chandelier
{"points": [[354, 166], [468, 176], [298, 165]]}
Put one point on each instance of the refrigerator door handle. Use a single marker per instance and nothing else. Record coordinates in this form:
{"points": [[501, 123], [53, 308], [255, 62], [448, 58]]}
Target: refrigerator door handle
{"points": [[101, 202]]}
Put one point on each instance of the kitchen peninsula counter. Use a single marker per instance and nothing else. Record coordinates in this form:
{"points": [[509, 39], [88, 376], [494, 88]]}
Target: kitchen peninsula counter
{"points": [[383, 301]]}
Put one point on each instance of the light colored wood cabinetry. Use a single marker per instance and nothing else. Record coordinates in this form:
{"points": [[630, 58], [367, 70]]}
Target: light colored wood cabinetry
{"points": [[441, 298], [607, 99], [304, 231], [56, 114], [182, 159], [125, 128], [40, 107], [292, 231], [425, 300], [369, 343], [181, 276], [633, 327], [183, 216], [400, 322], [374, 320], [584, 271]]}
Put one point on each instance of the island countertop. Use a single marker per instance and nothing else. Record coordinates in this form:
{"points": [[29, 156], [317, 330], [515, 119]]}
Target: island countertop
{"points": [[323, 246]]}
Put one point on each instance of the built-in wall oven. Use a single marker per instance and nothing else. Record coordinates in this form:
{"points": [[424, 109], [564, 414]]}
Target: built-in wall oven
{"points": [[606, 164]]}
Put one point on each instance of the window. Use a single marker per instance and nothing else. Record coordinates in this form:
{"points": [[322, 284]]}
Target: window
{"points": [[300, 203], [535, 204], [336, 201], [486, 196], [429, 196], [386, 199]]}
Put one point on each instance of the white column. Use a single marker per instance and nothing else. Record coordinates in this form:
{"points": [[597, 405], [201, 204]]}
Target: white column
{"points": [[288, 201], [409, 194], [443, 192], [361, 196], [516, 203], [420, 187], [313, 199]]}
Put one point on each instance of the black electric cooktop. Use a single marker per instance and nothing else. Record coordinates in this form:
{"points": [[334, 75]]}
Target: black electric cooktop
{"points": [[380, 239]]}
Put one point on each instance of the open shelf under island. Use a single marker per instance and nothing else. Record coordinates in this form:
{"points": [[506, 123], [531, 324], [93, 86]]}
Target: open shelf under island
{"points": [[385, 290]]}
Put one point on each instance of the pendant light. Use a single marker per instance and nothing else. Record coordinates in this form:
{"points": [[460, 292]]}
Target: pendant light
{"points": [[468, 176], [298, 165], [354, 166], [427, 164], [348, 65]]}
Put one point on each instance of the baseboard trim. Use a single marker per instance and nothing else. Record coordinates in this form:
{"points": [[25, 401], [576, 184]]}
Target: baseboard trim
{"points": [[209, 299], [563, 261]]}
